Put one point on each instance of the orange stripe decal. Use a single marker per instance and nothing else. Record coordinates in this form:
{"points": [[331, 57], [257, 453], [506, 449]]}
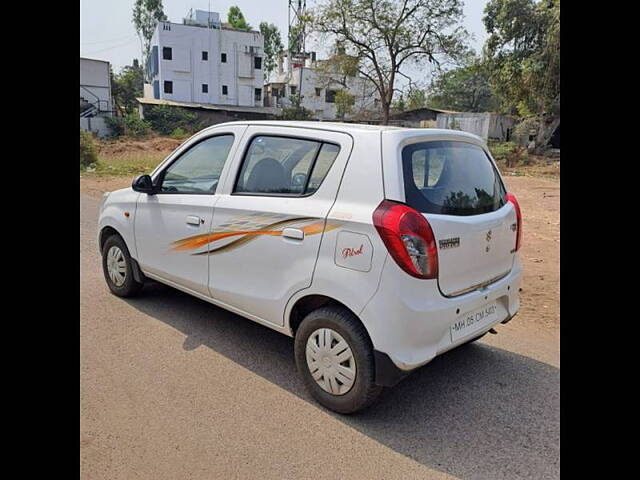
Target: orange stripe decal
{"points": [[273, 229]]}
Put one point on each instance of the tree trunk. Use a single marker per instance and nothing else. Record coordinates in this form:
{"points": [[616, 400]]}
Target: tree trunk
{"points": [[545, 132], [385, 114]]}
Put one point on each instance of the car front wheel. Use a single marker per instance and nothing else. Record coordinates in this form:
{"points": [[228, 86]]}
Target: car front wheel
{"points": [[117, 266], [335, 358]]}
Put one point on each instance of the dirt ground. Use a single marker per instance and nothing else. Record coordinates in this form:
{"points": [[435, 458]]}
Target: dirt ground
{"points": [[121, 146], [537, 187]]}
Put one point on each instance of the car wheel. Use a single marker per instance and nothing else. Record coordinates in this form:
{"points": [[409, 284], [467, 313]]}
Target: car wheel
{"points": [[118, 268], [334, 356]]}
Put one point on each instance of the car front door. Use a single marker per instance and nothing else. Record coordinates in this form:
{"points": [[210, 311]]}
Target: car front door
{"points": [[169, 223], [270, 217]]}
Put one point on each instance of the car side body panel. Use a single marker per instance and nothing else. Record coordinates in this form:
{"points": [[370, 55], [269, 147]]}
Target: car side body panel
{"points": [[118, 212], [360, 193], [259, 272]]}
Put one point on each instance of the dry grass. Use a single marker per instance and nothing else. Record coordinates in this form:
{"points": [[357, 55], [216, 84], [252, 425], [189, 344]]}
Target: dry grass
{"points": [[535, 166], [128, 157]]}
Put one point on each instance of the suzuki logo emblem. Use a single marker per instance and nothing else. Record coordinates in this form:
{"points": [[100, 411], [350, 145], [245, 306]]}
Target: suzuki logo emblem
{"points": [[489, 236]]}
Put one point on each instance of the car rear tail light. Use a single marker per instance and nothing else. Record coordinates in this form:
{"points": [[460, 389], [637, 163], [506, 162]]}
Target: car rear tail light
{"points": [[513, 200], [408, 237]]}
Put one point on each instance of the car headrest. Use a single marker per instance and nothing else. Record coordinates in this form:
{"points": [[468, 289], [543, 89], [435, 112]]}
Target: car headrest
{"points": [[267, 176]]}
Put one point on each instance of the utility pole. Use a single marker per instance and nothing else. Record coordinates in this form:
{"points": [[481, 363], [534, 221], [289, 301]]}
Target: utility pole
{"points": [[296, 52]]}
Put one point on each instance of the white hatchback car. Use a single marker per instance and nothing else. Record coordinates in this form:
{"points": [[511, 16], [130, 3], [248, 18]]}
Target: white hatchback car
{"points": [[377, 248]]}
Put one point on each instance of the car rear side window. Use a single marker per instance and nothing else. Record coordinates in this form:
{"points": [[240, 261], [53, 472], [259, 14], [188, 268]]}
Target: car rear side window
{"points": [[288, 166], [451, 178]]}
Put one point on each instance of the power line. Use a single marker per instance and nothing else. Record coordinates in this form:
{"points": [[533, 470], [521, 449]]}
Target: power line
{"points": [[108, 41], [111, 48]]}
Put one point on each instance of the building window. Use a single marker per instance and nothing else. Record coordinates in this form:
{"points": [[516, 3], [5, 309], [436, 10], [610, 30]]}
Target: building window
{"points": [[225, 90], [292, 89], [205, 88], [318, 92], [168, 86], [205, 56], [223, 57], [257, 63], [330, 96], [258, 95], [167, 53]]}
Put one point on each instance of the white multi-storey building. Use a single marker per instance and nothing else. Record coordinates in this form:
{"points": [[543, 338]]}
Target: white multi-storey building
{"points": [[317, 86], [204, 61]]}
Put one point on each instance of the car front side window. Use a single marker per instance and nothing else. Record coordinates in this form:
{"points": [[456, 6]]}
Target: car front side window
{"points": [[198, 170]]}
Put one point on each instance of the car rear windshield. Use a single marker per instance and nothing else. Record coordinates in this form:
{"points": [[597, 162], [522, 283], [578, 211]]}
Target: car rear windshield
{"points": [[451, 178]]}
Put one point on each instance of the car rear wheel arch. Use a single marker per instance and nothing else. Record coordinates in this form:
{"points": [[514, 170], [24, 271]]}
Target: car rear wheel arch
{"points": [[308, 304]]}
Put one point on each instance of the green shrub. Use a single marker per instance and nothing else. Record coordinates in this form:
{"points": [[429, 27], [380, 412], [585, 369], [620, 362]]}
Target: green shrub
{"points": [[130, 125], [88, 150], [508, 153], [165, 119], [116, 126], [296, 111], [179, 133], [524, 128]]}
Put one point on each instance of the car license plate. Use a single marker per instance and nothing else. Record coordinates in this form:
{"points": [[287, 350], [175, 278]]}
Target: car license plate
{"points": [[474, 321]]}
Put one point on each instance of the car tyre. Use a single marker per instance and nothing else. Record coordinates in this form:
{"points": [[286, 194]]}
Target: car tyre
{"points": [[117, 267], [361, 390]]}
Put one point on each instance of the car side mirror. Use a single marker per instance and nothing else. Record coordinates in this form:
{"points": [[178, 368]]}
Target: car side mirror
{"points": [[143, 184]]}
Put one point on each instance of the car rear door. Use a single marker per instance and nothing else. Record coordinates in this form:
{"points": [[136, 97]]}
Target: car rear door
{"points": [[456, 186], [270, 218]]}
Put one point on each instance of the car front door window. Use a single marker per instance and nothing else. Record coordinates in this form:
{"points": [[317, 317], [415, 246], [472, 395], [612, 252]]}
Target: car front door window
{"points": [[198, 170]]}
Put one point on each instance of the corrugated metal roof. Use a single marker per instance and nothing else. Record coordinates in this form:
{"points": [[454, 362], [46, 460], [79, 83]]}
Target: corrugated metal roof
{"points": [[423, 109], [208, 106]]}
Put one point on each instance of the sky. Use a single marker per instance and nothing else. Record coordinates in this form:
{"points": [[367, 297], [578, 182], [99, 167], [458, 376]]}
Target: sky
{"points": [[107, 33]]}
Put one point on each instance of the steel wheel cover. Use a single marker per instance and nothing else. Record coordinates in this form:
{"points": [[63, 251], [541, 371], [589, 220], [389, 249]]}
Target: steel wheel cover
{"points": [[331, 361], [116, 266]]}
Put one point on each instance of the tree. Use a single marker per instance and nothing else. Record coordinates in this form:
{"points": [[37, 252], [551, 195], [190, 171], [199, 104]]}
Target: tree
{"points": [[339, 66], [146, 15], [236, 19], [387, 35], [523, 54], [296, 111], [344, 103], [399, 105], [416, 98], [272, 47], [465, 89], [127, 86], [523, 57]]}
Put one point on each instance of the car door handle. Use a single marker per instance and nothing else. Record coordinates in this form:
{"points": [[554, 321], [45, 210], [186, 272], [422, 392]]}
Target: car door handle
{"points": [[193, 220], [294, 233]]}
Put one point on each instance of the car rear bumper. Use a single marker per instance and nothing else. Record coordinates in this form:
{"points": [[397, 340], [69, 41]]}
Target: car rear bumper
{"points": [[410, 321]]}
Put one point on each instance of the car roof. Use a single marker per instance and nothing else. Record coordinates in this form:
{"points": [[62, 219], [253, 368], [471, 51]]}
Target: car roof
{"points": [[358, 128], [334, 126]]}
